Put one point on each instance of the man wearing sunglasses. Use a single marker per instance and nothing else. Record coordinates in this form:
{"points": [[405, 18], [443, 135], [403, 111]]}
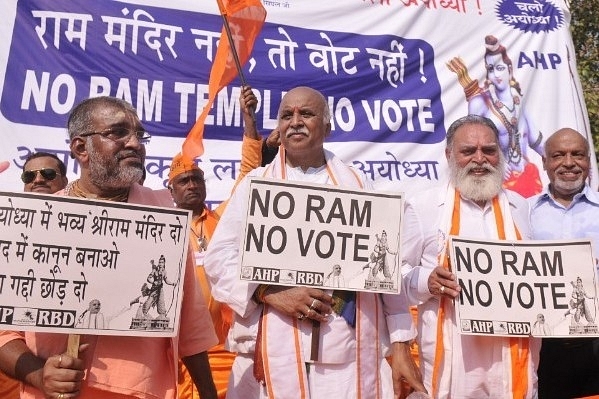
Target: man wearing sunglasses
{"points": [[108, 140], [44, 173]]}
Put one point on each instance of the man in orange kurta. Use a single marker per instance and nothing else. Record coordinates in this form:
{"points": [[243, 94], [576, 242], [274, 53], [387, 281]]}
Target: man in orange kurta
{"points": [[188, 188], [108, 140], [9, 388]]}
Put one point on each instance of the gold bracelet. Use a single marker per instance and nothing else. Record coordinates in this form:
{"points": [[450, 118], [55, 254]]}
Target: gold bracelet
{"points": [[472, 89]]}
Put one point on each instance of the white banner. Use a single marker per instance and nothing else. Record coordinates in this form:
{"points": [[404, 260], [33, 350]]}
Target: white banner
{"points": [[394, 73], [90, 267], [540, 288], [321, 236]]}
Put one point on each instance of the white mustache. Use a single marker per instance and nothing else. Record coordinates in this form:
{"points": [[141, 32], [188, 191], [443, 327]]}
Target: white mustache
{"points": [[486, 166], [291, 131]]}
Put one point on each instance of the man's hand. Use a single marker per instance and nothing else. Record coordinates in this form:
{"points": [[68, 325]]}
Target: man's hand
{"points": [[404, 369], [61, 377], [248, 103], [58, 376], [443, 282], [300, 302], [274, 139]]}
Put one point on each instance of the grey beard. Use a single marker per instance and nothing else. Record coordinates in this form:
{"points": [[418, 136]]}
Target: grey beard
{"points": [[107, 173], [569, 186]]}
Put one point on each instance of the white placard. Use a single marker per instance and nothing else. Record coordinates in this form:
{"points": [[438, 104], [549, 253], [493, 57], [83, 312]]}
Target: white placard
{"points": [[324, 236], [61, 257], [540, 288]]}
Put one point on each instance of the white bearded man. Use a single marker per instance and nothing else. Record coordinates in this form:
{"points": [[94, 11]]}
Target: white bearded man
{"points": [[472, 205]]}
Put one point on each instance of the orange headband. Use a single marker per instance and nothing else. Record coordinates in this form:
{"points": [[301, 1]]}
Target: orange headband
{"points": [[181, 164]]}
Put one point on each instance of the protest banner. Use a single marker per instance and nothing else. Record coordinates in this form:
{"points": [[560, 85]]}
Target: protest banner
{"points": [[90, 267], [300, 234], [395, 73], [521, 288]]}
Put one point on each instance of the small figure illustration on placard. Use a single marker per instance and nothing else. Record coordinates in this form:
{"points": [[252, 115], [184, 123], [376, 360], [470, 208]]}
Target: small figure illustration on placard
{"points": [[152, 297], [384, 261], [91, 317], [579, 309], [540, 327], [335, 278]]}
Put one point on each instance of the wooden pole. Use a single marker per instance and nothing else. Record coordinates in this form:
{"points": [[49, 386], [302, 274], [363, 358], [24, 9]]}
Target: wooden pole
{"points": [[73, 345], [315, 345]]}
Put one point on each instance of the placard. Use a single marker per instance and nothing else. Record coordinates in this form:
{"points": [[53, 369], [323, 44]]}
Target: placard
{"points": [[90, 267], [323, 236], [540, 288]]}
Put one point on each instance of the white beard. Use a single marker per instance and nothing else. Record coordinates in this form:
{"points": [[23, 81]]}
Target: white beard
{"points": [[567, 185], [477, 188]]}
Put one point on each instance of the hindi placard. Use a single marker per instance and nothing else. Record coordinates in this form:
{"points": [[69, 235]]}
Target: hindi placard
{"points": [[90, 267]]}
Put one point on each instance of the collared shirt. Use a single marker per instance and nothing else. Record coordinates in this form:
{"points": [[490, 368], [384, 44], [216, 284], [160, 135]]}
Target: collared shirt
{"points": [[551, 220]]}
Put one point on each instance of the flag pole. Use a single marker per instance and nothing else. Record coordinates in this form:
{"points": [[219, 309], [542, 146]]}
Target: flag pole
{"points": [[223, 13], [233, 49]]}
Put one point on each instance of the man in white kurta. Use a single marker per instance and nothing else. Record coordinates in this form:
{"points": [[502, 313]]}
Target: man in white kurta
{"points": [[351, 360], [472, 205]]}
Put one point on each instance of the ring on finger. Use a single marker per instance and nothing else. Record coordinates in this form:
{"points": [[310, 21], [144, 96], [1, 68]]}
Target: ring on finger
{"points": [[442, 289], [60, 365], [314, 302], [60, 396], [301, 316]]}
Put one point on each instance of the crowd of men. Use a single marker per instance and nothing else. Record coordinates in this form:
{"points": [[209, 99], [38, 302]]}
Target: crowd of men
{"points": [[245, 340]]}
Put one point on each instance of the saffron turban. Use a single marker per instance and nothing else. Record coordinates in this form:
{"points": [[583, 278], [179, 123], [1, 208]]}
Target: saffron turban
{"points": [[181, 164]]}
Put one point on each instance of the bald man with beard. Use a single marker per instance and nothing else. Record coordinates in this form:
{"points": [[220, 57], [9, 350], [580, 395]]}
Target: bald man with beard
{"points": [[567, 209]]}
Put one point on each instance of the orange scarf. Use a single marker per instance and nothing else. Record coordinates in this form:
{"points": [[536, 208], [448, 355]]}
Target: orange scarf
{"points": [[282, 352], [519, 347]]}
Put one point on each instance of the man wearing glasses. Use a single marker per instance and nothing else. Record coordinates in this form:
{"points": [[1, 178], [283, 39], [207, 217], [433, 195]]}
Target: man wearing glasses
{"points": [[107, 139], [44, 173]]}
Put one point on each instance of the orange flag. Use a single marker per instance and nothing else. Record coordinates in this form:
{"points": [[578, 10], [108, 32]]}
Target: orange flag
{"points": [[245, 19]]}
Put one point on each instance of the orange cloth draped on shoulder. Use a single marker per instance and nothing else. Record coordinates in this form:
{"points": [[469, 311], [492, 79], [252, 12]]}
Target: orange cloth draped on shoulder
{"points": [[527, 183], [519, 347], [9, 388], [414, 347], [248, 16]]}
